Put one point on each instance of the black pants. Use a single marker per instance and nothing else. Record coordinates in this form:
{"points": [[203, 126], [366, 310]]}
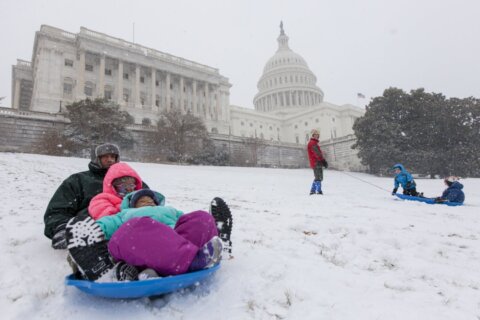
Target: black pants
{"points": [[411, 192], [318, 171]]}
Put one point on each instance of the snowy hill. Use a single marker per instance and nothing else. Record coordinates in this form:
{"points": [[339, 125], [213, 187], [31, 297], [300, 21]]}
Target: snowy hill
{"points": [[354, 253]]}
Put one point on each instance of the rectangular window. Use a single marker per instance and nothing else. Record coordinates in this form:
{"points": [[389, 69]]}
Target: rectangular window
{"points": [[125, 97], [125, 76], [142, 79], [108, 72], [68, 63], [142, 101], [67, 88], [157, 83], [157, 103], [108, 94], [171, 86], [89, 67]]}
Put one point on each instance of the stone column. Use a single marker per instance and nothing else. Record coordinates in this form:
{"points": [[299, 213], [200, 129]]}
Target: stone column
{"points": [[194, 97], [79, 88], [16, 95], [154, 89], [182, 96], [290, 97], [101, 77], [219, 112], [120, 83], [167, 91], [137, 87], [207, 101]]}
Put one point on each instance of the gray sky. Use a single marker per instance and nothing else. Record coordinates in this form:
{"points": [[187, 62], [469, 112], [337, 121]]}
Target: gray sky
{"points": [[351, 46]]}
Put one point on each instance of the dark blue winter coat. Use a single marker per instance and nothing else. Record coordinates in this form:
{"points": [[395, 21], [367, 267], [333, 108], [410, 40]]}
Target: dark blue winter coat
{"points": [[454, 193], [404, 178]]}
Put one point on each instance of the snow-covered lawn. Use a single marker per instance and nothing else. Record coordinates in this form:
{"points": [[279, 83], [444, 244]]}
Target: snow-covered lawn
{"points": [[354, 253]]}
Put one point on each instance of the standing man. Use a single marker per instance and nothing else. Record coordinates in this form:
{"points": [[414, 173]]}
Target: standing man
{"points": [[74, 194], [316, 162]]}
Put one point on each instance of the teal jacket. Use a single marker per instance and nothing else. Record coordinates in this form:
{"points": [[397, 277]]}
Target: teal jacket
{"points": [[166, 215]]}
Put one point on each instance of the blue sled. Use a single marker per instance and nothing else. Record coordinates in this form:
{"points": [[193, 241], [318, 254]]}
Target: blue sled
{"points": [[139, 289], [427, 200]]}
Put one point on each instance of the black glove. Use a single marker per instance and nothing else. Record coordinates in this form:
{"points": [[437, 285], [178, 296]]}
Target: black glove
{"points": [[394, 191], [325, 163], [59, 240], [408, 185]]}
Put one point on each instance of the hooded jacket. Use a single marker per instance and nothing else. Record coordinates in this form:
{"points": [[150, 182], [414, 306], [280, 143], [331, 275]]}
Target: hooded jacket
{"points": [[72, 197], [166, 215], [108, 202], [404, 178], [454, 193], [314, 152]]}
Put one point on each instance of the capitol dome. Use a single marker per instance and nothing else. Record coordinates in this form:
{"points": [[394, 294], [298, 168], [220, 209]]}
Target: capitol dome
{"points": [[286, 82]]}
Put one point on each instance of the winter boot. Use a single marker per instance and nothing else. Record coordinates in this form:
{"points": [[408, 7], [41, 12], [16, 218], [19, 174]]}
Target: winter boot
{"points": [[125, 272], [208, 256], [223, 218], [312, 189], [87, 248], [318, 187], [148, 274]]}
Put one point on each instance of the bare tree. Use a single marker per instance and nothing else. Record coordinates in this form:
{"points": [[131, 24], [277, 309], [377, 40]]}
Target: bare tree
{"points": [[180, 135]]}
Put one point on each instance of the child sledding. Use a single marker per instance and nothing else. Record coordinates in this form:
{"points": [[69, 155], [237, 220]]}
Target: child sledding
{"points": [[135, 233], [452, 196]]}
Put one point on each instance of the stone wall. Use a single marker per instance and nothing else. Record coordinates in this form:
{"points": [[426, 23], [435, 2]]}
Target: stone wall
{"points": [[20, 131], [341, 156], [256, 152]]}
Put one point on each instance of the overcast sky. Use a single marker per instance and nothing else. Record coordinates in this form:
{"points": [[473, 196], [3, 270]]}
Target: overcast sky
{"points": [[352, 46]]}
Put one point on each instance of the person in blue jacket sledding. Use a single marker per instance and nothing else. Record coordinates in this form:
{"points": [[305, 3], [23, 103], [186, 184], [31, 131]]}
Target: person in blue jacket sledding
{"points": [[404, 178], [454, 191]]}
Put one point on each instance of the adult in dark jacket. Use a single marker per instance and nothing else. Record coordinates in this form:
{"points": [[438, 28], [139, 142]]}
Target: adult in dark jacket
{"points": [[317, 161], [454, 191], [74, 194]]}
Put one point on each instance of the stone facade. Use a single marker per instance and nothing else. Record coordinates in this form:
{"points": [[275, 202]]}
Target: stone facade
{"points": [[68, 67]]}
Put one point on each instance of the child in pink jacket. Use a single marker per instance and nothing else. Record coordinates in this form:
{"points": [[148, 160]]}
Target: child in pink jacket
{"points": [[119, 180]]}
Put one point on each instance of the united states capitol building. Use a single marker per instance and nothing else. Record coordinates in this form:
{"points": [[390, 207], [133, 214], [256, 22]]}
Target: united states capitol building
{"points": [[67, 67]]}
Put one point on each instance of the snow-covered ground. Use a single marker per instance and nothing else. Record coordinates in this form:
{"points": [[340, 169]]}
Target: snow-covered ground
{"points": [[354, 253]]}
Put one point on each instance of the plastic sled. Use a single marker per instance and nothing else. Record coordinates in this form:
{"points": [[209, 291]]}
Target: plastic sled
{"points": [[143, 288], [427, 200]]}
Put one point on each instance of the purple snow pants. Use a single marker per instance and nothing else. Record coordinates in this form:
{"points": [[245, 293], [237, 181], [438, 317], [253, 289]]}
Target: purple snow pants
{"points": [[147, 243]]}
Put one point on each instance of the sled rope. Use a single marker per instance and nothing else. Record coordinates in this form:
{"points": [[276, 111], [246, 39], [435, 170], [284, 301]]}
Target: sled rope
{"points": [[365, 181]]}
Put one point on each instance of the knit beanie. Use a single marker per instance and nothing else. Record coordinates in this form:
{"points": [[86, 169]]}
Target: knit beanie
{"points": [[143, 193]]}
